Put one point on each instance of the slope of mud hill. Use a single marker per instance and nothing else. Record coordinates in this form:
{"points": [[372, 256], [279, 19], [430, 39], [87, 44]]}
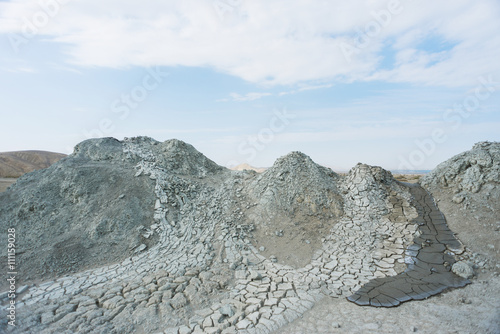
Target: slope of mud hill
{"points": [[296, 203], [466, 189], [74, 214], [148, 237]]}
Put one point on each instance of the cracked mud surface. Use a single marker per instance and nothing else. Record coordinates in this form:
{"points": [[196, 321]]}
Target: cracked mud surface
{"points": [[430, 258], [207, 257]]}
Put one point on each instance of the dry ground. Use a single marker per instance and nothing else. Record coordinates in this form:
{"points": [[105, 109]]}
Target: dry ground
{"points": [[15, 164], [410, 178], [473, 309]]}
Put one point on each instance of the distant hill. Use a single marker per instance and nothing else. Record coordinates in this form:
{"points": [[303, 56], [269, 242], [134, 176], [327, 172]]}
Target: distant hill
{"points": [[413, 172], [248, 167], [15, 164]]}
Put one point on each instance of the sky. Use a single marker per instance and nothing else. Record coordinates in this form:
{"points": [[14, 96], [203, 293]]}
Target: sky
{"points": [[399, 84]]}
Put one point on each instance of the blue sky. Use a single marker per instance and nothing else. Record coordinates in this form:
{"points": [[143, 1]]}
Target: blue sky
{"points": [[399, 84]]}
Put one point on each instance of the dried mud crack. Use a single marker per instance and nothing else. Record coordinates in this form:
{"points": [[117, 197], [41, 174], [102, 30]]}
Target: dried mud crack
{"points": [[429, 259], [167, 241]]}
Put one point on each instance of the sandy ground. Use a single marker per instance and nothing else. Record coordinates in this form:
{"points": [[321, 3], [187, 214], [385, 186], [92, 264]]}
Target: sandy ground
{"points": [[473, 309], [410, 178], [5, 183]]}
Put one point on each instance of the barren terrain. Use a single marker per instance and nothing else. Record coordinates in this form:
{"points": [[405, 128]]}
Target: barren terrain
{"points": [[15, 164], [148, 237]]}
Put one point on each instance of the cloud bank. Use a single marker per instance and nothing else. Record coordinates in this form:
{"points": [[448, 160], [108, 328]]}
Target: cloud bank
{"points": [[442, 43]]}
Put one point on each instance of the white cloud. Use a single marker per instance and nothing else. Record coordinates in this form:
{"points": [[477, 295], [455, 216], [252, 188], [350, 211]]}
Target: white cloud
{"points": [[246, 97], [305, 88], [256, 95], [19, 70], [272, 42]]}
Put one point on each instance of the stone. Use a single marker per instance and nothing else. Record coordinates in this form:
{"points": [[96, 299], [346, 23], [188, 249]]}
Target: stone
{"points": [[140, 248], [227, 310], [463, 269], [254, 275], [459, 198]]}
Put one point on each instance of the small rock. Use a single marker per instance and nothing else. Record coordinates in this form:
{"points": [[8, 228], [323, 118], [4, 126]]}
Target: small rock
{"points": [[254, 275], [262, 248], [335, 325], [140, 248], [463, 269], [227, 310], [466, 301], [459, 198]]}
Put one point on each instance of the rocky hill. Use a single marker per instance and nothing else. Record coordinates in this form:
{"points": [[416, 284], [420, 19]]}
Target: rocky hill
{"points": [[15, 164], [468, 186], [467, 173], [77, 212], [143, 236]]}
